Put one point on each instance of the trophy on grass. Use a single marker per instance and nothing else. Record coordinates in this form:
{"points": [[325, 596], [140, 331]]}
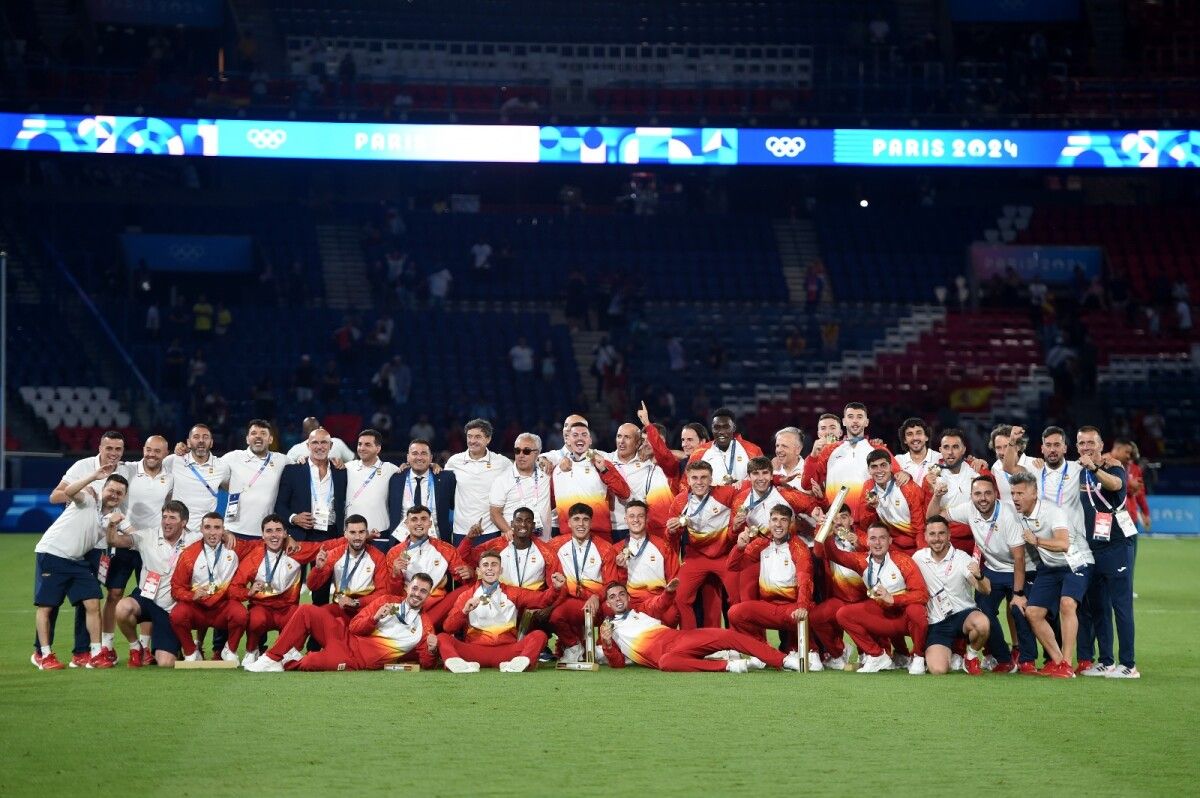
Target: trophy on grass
{"points": [[589, 648]]}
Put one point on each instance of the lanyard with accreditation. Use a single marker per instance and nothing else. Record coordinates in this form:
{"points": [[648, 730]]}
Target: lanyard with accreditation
{"points": [[235, 499]]}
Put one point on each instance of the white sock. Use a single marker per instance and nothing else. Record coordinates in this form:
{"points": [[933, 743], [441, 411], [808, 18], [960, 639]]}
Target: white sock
{"points": [[106, 640], [144, 642], [973, 654], [94, 648], [45, 651]]}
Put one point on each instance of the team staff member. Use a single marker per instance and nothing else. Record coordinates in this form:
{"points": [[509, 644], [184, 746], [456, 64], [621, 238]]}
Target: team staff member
{"points": [[842, 585], [901, 508], [475, 470], [524, 486], [149, 489], [254, 475], [111, 448], [311, 496], [338, 450], [1000, 541], [1110, 535], [917, 457], [1126, 454], [588, 563], [390, 629], [1062, 580], [62, 570], [418, 553], [198, 475], [367, 481], [954, 580], [835, 465], [704, 512], [728, 453], [421, 482], [631, 634], [646, 562], [1008, 442], [788, 462], [200, 586], [895, 604], [161, 549], [785, 583], [355, 570], [487, 618]]}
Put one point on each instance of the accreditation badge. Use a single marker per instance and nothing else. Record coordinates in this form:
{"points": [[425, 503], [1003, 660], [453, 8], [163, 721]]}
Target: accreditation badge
{"points": [[150, 584], [1102, 530], [102, 571], [233, 507]]}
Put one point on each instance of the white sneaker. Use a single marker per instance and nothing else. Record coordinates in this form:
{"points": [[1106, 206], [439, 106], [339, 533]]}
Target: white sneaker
{"points": [[292, 655], [514, 665], [265, 664], [737, 666], [792, 661], [1135, 595], [1097, 669], [572, 654], [195, 656], [814, 662], [756, 664], [917, 666], [601, 657], [902, 661], [988, 663], [725, 655], [1122, 672], [876, 664], [249, 659], [460, 665], [837, 663], [957, 663], [228, 656]]}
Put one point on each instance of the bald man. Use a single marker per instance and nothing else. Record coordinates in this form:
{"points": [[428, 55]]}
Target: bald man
{"points": [[647, 482], [338, 449], [311, 497]]}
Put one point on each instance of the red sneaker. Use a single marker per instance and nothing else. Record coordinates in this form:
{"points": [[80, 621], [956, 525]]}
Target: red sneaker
{"points": [[137, 657], [974, 667], [1004, 667], [99, 661], [1064, 671], [109, 654], [1016, 653], [49, 663], [1027, 669], [80, 660], [1083, 665]]}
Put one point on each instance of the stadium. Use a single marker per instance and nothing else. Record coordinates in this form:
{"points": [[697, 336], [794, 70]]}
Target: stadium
{"points": [[558, 351]]}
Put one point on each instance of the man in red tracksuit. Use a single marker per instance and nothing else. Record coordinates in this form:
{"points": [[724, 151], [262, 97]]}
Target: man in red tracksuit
{"points": [[418, 553], [268, 576], [703, 512], [588, 563], [641, 637], [487, 619], [356, 570], [842, 586], [899, 507], [785, 582], [200, 586], [895, 604], [389, 629]]}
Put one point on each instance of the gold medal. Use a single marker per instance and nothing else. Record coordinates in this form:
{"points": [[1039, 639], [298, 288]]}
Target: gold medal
{"points": [[212, 589], [485, 601]]}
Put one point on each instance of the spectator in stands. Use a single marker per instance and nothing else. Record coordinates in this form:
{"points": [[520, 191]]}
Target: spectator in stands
{"points": [[202, 317], [382, 334], [676, 359], [879, 29], [830, 333], [224, 319], [1060, 361], [603, 356], [331, 384], [481, 256], [814, 284], [1183, 317], [347, 69], [439, 287], [1155, 425], [345, 340], [153, 322], [521, 358], [383, 385], [549, 363], [197, 368], [422, 428], [177, 318], [304, 379], [382, 421], [482, 407], [796, 345]]}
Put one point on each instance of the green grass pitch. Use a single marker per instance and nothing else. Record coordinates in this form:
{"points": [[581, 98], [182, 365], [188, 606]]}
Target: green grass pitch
{"points": [[157, 732]]}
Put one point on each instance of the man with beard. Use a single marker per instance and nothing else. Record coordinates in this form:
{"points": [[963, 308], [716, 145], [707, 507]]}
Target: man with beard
{"points": [[728, 453]]}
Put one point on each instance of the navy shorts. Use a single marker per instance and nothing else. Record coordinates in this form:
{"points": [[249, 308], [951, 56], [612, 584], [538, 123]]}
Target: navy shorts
{"points": [[122, 565], [57, 578], [948, 629], [1053, 583], [162, 636]]}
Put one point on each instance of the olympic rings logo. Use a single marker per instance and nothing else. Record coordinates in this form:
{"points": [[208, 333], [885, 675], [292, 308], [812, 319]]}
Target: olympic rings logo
{"points": [[786, 146], [266, 138], [189, 253]]}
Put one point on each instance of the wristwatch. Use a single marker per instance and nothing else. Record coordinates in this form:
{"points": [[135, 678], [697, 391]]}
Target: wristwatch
{"points": [[1020, 593]]}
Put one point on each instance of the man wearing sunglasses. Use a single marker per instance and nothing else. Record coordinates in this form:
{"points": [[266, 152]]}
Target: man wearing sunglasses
{"points": [[524, 485]]}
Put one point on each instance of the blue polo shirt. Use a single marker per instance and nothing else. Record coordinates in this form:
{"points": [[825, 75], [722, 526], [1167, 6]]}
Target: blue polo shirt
{"points": [[1103, 501]]}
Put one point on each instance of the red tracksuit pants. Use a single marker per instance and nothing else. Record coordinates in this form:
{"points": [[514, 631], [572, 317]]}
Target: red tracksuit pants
{"points": [[683, 650], [692, 573], [670, 618], [567, 620], [328, 630], [872, 627], [228, 615], [490, 656], [825, 628], [756, 617], [263, 619]]}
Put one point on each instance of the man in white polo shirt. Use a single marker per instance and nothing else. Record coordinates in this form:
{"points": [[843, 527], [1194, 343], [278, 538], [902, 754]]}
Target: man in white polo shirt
{"points": [[61, 566], [338, 450], [160, 548], [149, 489], [475, 470], [254, 474], [917, 456], [198, 475], [954, 582], [1008, 442], [367, 481], [524, 485]]}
